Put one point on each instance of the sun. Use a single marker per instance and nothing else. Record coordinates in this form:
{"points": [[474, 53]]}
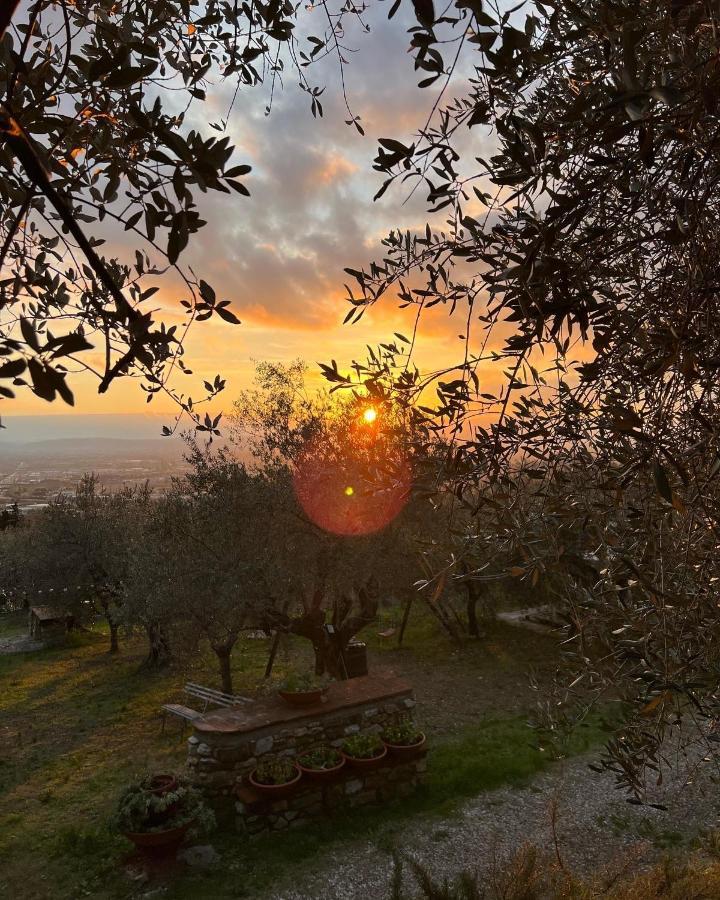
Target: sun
{"points": [[370, 415], [349, 491]]}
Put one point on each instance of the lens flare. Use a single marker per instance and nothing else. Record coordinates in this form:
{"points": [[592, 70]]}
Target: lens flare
{"points": [[349, 496]]}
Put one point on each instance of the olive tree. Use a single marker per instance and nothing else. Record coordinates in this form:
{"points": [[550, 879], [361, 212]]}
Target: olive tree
{"points": [[580, 254], [351, 520], [213, 553], [75, 552]]}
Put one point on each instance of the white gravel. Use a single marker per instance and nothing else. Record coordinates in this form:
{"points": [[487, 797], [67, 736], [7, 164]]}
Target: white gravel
{"points": [[596, 828]]}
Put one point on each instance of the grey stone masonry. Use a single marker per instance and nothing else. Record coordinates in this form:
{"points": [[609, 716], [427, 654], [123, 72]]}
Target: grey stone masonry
{"points": [[398, 777], [227, 745]]}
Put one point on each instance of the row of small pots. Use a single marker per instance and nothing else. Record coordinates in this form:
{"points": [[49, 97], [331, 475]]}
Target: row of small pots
{"points": [[323, 775]]}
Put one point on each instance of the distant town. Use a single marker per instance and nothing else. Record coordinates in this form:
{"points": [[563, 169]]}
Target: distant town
{"points": [[41, 456]]}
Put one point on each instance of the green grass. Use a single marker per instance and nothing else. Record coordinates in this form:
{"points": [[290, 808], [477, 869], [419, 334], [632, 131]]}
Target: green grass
{"points": [[76, 724], [12, 623]]}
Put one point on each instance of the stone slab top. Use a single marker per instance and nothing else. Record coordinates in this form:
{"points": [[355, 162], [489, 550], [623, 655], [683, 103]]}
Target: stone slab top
{"points": [[377, 687]]}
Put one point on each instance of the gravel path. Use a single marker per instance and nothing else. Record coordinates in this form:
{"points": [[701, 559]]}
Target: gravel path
{"points": [[20, 644], [598, 831]]}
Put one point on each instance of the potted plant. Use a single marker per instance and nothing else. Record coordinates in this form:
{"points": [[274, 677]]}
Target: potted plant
{"points": [[275, 777], [364, 751], [303, 689], [322, 763], [403, 738], [157, 812]]}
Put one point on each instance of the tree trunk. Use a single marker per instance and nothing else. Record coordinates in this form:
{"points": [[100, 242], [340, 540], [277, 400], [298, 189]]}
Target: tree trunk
{"points": [[223, 654], [102, 599], [473, 598], [471, 607], [159, 648], [114, 627], [328, 658], [329, 646]]}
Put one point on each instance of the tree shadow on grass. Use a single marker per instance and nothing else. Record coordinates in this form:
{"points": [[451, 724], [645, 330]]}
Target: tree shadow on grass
{"points": [[53, 720]]}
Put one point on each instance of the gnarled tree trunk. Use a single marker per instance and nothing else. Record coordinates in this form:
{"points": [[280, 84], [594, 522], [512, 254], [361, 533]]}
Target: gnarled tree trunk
{"points": [[329, 643]]}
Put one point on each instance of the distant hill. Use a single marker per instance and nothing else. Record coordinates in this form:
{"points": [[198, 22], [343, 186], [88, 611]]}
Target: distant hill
{"points": [[89, 449], [85, 443], [79, 426]]}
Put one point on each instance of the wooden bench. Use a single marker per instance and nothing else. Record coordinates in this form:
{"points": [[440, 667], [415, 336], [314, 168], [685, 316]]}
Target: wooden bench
{"points": [[207, 695]]}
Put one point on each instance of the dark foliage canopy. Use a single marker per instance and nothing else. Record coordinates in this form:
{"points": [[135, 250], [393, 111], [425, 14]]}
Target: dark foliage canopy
{"points": [[581, 257]]}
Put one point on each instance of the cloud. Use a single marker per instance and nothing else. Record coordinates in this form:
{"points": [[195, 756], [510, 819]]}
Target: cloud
{"points": [[279, 255]]}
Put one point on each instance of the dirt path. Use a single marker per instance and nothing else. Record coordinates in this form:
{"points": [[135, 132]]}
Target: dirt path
{"points": [[597, 831]]}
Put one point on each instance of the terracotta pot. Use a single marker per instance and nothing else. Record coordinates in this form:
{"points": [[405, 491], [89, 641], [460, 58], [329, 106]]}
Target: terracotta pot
{"points": [[303, 698], [161, 785], [322, 774], [159, 843], [407, 749], [373, 762], [274, 791]]}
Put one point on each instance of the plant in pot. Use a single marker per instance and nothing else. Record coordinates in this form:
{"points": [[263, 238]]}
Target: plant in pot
{"points": [[403, 738], [322, 763], [364, 751], [275, 777], [303, 688], [157, 812]]}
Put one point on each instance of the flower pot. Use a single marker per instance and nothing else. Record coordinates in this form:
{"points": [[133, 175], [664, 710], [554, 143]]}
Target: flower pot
{"points": [[407, 749], [303, 698], [159, 843], [274, 791], [363, 764], [322, 774], [161, 785]]}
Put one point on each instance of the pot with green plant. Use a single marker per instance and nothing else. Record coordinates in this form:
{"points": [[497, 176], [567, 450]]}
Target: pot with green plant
{"points": [[274, 778], [322, 763], [156, 813], [404, 738], [364, 751], [303, 689]]}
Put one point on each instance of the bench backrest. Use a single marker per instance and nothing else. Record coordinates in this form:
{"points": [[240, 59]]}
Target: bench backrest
{"points": [[212, 696]]}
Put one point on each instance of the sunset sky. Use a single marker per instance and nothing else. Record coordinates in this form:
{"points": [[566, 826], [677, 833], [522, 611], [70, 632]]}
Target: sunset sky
{"points": [[279, 255]]}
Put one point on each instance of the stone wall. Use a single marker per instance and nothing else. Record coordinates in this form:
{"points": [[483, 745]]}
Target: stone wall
{"points": [[227, 745], [349, 789]]}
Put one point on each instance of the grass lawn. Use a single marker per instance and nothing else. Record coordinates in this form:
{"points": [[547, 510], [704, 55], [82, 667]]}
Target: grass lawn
{"points": [[76, 724]]}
